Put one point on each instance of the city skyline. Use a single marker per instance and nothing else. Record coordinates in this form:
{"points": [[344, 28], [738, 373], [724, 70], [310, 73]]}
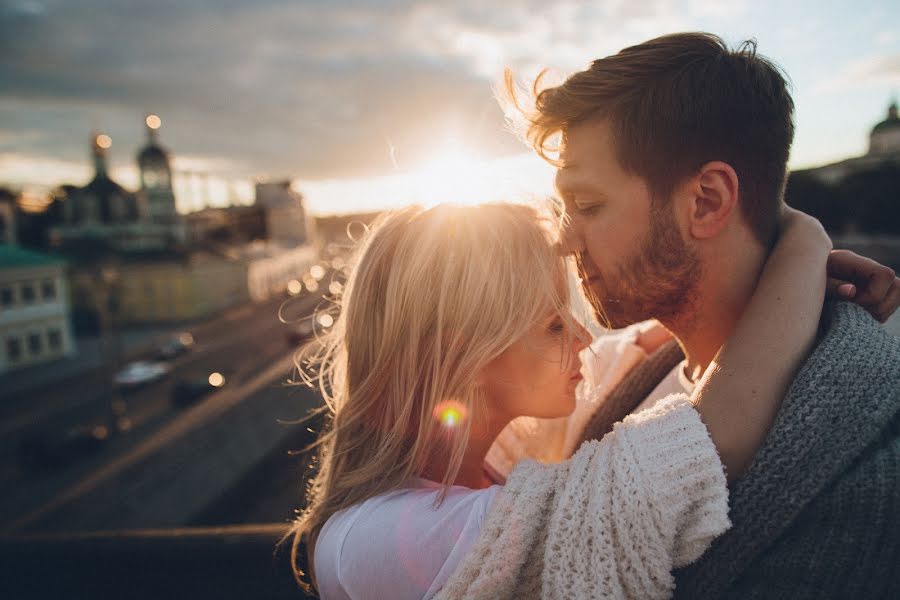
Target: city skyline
{"points": [[365, 105]]}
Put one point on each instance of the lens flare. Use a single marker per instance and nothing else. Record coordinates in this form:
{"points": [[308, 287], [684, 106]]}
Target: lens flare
{"points": [[450, 413]]}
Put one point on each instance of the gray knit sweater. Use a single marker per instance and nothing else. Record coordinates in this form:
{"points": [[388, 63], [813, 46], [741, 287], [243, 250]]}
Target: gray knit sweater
{"points": [[817, 515]]}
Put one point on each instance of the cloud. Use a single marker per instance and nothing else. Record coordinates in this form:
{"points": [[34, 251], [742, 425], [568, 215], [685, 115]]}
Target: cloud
{"points": [[291, 88], [871, 70]]}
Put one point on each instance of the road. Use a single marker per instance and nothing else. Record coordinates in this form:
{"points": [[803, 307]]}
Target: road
{"points": [[240, 344]]}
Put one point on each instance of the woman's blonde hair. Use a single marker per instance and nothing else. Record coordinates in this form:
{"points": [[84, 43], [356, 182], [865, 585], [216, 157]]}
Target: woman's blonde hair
{"points": [[433, 297]]}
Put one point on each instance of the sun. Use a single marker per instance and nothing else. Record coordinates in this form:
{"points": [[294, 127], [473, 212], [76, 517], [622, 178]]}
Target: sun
{"points": [[454, 174]]}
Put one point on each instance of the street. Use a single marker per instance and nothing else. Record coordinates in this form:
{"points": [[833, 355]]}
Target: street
{"points": [[241, 344]]}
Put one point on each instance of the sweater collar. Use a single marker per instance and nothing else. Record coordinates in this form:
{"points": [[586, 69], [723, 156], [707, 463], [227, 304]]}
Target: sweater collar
{"points": [[841, 400]]}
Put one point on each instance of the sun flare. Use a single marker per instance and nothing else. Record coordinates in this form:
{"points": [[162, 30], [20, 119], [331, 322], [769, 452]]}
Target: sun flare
{"points": [[454, 174]]}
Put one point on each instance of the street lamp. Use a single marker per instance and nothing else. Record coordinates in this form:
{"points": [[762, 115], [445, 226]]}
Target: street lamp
{"points": [[109, 308]]}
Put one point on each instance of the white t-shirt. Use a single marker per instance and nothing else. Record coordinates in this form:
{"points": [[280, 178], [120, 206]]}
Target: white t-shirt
{"points": [[676, 382], [398, 545]]}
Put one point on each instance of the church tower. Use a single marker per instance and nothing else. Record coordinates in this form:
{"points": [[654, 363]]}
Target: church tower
{"points": [[156, 182]]}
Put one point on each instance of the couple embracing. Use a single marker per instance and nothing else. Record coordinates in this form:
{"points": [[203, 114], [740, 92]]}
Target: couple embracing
{"points": [[739, 438]]}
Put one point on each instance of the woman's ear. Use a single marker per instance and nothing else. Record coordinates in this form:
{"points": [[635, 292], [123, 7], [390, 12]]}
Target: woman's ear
{"points": [[710, 199]]}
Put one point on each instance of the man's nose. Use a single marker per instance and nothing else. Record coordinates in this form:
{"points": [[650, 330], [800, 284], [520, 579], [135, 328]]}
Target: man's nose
{"points": [[570, 239]]}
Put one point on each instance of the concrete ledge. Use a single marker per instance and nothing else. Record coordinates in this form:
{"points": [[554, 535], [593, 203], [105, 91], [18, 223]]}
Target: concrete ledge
{"points": [[217, 562]]}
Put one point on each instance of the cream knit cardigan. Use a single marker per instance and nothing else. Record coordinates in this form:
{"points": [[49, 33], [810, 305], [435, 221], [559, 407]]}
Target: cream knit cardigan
{"points": [[611, 522]]}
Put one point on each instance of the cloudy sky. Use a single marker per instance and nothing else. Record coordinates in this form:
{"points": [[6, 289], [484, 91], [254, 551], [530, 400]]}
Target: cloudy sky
{"points": [[369, 103]]}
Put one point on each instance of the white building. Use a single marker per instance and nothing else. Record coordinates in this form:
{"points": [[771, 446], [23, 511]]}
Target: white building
{"points": [[285, 216], [34, 309]]}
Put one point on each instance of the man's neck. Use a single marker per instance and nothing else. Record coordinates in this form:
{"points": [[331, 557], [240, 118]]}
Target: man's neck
{"points": [[722, 297]]}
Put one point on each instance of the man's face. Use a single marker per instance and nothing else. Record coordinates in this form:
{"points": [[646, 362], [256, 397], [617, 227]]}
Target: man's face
{"points": [[631, 256]]}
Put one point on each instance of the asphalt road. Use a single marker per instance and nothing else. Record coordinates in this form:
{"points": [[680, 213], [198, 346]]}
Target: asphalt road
{"points": [[240, 344]]}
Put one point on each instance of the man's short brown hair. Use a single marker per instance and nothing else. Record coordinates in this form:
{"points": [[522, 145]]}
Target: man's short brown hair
{"points": [[675, 103]]}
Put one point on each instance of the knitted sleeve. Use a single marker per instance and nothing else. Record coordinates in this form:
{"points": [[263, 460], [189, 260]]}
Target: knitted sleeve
{"points": [[651, 496], [612, 521]]}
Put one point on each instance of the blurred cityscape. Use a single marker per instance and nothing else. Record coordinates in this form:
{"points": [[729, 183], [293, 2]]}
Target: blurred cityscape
{"points": [[145, 354]]}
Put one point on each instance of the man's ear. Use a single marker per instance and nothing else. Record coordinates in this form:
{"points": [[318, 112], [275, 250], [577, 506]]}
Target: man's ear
{"points": [[710, 199]]}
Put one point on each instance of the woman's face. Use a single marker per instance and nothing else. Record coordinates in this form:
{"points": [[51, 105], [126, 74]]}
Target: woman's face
{"points": [[537, 375]]}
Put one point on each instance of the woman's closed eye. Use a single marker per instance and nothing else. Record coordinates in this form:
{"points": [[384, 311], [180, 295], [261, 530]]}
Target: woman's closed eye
{"points": [[557, 327]]}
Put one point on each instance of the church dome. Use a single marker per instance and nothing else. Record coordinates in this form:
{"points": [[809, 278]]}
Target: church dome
{"points": [[153, 153], [891, 122], [885, 136]]}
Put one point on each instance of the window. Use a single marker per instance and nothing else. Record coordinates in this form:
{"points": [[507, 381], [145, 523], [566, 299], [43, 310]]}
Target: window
{"points": [[35, 344], [54, 339], [13, 349], [7, 298], [48, 289], [27, 293]]}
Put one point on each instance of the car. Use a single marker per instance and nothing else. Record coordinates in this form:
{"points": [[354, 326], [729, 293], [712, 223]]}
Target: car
{"points": [[175, 346], [193, 389], [52, 450], [140, 372]]}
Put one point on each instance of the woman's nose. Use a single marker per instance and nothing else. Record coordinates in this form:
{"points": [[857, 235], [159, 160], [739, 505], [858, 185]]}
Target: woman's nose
{"points": [[582, 337]]}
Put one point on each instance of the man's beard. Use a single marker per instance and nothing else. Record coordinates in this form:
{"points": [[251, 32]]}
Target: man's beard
{"points": [[659, 282]]}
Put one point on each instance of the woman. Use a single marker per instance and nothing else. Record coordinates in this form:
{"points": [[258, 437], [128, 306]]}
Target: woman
{"points": [[456, 321]]}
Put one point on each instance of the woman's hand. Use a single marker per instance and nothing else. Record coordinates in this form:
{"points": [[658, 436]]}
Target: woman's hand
{"points": [[870, 284]]}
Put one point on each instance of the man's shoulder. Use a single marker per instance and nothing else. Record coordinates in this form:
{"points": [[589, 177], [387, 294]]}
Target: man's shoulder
{"points": [[838, 425], [854, 354]]}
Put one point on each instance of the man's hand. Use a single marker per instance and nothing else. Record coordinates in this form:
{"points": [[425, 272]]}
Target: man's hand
{"points": [[872, 285]]}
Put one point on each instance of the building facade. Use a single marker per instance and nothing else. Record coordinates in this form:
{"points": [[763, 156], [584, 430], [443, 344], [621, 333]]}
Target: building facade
{"points": [[34, 309], [285, 215]]}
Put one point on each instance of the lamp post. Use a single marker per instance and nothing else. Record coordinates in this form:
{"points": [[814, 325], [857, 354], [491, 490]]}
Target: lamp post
{"points": [[109, 308]]}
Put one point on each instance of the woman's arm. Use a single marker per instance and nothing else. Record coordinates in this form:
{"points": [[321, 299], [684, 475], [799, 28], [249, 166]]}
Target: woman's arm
{"points": [[742, 389]]}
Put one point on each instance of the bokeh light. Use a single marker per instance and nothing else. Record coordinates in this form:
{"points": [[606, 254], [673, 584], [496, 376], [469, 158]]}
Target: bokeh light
{"points": [[153, 121], [450, 413], [294, 287], [216, 379]]}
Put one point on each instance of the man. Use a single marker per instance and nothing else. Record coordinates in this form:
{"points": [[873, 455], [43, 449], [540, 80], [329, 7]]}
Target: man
{"points": [[672, 167]]}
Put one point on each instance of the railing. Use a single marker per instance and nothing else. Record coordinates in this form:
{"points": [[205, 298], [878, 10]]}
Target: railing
{"points": [[215, 562]]}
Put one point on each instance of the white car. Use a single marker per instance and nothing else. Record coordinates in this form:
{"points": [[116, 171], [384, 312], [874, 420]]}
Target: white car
{"points": [[140, 372]]}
